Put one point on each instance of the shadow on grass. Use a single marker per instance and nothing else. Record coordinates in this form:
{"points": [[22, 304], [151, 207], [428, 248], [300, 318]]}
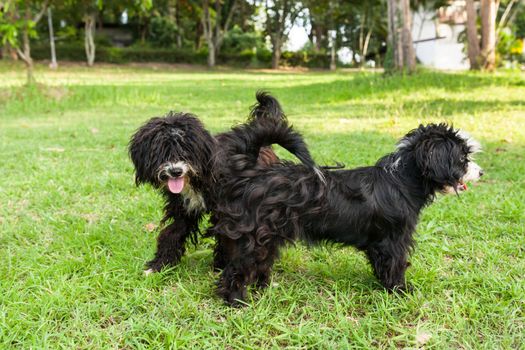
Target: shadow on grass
{"points": [[437, 108], [367, 85]]}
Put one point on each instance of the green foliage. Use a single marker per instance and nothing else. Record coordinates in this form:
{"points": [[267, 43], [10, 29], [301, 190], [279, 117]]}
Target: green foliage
{"points": [[162, 32], [509, 47], [520, 22], [144, 53], [235, 41], [75, 52], [168, 23], [309, 59], [388, 64], [8, 33], [13, 22], [74, 231]]}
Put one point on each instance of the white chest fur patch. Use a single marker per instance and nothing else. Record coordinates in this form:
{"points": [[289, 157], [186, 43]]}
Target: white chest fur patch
{"points": [[193, 200]]}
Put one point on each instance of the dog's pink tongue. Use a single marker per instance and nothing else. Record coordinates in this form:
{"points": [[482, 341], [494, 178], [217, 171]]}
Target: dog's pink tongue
{"points": [[176, 185]]}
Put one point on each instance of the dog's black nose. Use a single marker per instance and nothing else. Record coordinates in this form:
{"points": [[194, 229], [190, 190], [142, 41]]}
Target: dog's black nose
{"points": [[175, 172], [481, 172]]}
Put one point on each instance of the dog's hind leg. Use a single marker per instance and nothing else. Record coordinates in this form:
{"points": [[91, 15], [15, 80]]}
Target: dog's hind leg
{"points": [[220, 254], [234, 280], [239, 272], [246, 267], [267, 256], [389, 262]]}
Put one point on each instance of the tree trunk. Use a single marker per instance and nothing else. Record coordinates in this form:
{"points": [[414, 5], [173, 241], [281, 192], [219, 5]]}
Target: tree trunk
{"points": [[362, 39], [400, 36], [53, 64], [333, 37], [143, 26], [198, 34], [8, 52], [208, 33], [409, 56], [472, 36], [177, 23], [367, 42], [222, 28], [27, 57], [25, 54], [143, 32], [333, 62], [489, 10], [173, 15], [507, 17], [393, 35], [211, 55], [89, 42], [276, 52], [318, 35], [217, 39]]}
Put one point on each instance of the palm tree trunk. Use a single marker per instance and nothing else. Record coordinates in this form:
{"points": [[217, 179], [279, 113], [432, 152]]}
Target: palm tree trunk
{"points": [[409, 55], [472, 36], [489, 10]]}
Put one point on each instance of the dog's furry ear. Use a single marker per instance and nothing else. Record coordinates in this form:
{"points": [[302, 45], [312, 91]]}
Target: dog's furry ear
{"points": [[139, 149], [435, 158]]}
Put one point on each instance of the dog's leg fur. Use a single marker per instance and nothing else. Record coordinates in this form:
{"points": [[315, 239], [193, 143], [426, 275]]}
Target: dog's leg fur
{"points": [[245, 266], [238, 273], [171, 245], [389, 261], [220, 253], [234, 281], [171, 242]]}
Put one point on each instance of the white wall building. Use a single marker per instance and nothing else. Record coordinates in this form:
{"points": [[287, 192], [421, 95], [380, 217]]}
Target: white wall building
{"points": [[435, 36]]}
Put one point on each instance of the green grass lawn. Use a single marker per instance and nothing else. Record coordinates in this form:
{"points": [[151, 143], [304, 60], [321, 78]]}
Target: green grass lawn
{"points": [[75, 231]]}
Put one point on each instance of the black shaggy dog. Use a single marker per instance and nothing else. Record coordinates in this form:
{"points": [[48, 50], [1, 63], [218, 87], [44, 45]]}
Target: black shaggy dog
{"points": [[374, 208], [177, 155]]}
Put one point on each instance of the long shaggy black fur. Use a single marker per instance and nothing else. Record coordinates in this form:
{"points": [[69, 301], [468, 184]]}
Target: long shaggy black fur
{"points": [[177, 155], [374, 208]]}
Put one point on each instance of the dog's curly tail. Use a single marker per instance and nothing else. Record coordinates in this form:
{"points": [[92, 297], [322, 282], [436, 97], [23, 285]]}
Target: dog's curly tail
{"points": [[267, 125], [267, 107]]}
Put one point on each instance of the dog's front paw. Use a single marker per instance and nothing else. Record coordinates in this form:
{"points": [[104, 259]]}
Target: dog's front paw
{"points": [[149, 272], [153, 266]]}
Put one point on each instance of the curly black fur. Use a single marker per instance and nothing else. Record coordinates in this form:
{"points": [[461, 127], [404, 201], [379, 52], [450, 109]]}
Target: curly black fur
{"points": [[374, 208], [177, 155]]}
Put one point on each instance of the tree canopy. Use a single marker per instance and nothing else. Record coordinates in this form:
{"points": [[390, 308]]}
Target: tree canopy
{"points": [[214, 31]]}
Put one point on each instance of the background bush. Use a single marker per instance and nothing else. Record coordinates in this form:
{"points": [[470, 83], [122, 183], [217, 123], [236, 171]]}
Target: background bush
{"points": [[249, 57]]}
